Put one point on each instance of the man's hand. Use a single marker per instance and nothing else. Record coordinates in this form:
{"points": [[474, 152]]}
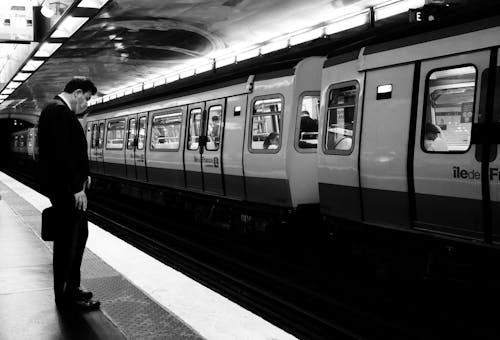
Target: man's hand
{"points": [[81, 201]]}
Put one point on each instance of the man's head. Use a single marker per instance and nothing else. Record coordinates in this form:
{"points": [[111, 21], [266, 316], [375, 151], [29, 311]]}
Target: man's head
{"points": [[78, 92]]}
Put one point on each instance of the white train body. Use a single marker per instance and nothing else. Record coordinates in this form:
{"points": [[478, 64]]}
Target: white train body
{"points": [[394, 144]]}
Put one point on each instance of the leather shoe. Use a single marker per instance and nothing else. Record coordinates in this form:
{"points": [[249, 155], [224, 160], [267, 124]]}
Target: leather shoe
{"points": [[81, 294], [79, 305]]}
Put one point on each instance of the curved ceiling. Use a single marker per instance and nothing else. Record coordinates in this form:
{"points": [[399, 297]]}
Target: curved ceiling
{"points": [[132, 41]]}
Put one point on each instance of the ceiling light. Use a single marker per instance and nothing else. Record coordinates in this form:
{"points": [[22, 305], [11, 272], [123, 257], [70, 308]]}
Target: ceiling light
{"points": [[349, 22], [47, 11], [204, 68], [14, 85], [225, 61], [92, 3], [7, 91], [306, 36], [187, 73], [32, 65], [21, 76], [274, 46], [3, 96], [47, 49], [248, 54], [390, 8], [69, 26], [172, 78]]}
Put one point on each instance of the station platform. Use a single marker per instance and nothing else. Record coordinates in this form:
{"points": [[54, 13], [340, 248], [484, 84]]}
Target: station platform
{"points": [[141, 298]]}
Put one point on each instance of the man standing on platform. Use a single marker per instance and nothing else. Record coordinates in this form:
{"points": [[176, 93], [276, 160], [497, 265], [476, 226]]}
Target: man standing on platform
{"points": [[64, 171]]}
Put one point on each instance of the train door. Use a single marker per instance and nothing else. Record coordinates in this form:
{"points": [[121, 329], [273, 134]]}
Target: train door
{"points": [[447, 174], [193, 150], [140, 151], [211, 162], [232, 145], [384, 145], [130, 147], [99, 148]]}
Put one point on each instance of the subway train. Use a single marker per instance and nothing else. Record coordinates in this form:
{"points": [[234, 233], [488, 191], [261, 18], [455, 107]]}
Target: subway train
{"points": [[401, 134]]}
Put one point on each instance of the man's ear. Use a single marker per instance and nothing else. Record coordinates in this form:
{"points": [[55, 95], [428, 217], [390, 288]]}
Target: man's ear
{"points": [[77, 92]]}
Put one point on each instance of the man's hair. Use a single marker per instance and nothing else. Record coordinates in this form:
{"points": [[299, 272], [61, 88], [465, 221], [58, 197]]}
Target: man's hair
{"points": [[80, 83]]}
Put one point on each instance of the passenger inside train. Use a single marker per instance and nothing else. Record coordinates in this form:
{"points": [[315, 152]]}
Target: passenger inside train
{"points": [[432, 139], [308, 131], [272, 141]]}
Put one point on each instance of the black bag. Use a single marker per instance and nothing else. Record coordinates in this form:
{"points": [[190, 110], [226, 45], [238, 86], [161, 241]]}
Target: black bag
{"points": [[49, 224]]}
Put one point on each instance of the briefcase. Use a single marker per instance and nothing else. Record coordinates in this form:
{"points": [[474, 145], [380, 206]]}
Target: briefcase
{"points": [[49, 224]]}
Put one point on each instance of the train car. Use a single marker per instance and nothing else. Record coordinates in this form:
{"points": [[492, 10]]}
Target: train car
{"points": [[240, 144], [409, 134]]}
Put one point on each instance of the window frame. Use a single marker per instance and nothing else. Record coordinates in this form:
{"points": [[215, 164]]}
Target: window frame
{"points": [[109, 121], [220, 126], [297, 121], [250, 123], [127, 135], [188, 126], [143, 117], [354, 123], [426, 100], [101, 127], [162, 113]]}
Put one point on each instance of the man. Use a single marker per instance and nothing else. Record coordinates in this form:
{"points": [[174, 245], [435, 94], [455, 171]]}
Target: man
{"points": [[64, 172], [307, 124]]}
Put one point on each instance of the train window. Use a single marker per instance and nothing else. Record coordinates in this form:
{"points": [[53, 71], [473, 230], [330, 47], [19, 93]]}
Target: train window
{"points": [[449, 109], [266, 124], [93, 143], [131, 133], [166, 131], [115, 135], [194, 129], [214, 127], [142, 133], [100, 141], [307, 137], [340, 118]]}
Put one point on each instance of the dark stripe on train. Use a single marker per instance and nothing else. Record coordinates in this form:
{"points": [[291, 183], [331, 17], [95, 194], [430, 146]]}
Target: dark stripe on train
{"points": [[340, 201], [269, 190], [173, 178], [443, 214], [340, 59], [433, 35]]}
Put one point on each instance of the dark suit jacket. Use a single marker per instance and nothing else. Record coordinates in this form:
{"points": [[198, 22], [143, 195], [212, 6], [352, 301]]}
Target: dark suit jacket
{"points": [[63, 160]]}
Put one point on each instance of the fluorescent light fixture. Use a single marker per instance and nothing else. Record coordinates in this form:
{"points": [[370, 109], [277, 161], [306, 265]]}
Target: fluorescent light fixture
{"points": [[92, 102], [348, 22], [7, 91], [159, 82], [32, 65], [306, 36], [14, 84], [68, 27], [137, 88], [172, 78], [225, 61], [120, 94], [21, 76], [92, 3], [187, 73], [248, 54], [47, 49], [204, 68], [274, 46], [127, 91], [393, 7], [3, 96], [148, 85], [105, 98]]}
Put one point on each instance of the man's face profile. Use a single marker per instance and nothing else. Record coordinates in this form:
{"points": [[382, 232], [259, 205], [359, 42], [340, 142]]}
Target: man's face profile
{"points": [[81, 100]]}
